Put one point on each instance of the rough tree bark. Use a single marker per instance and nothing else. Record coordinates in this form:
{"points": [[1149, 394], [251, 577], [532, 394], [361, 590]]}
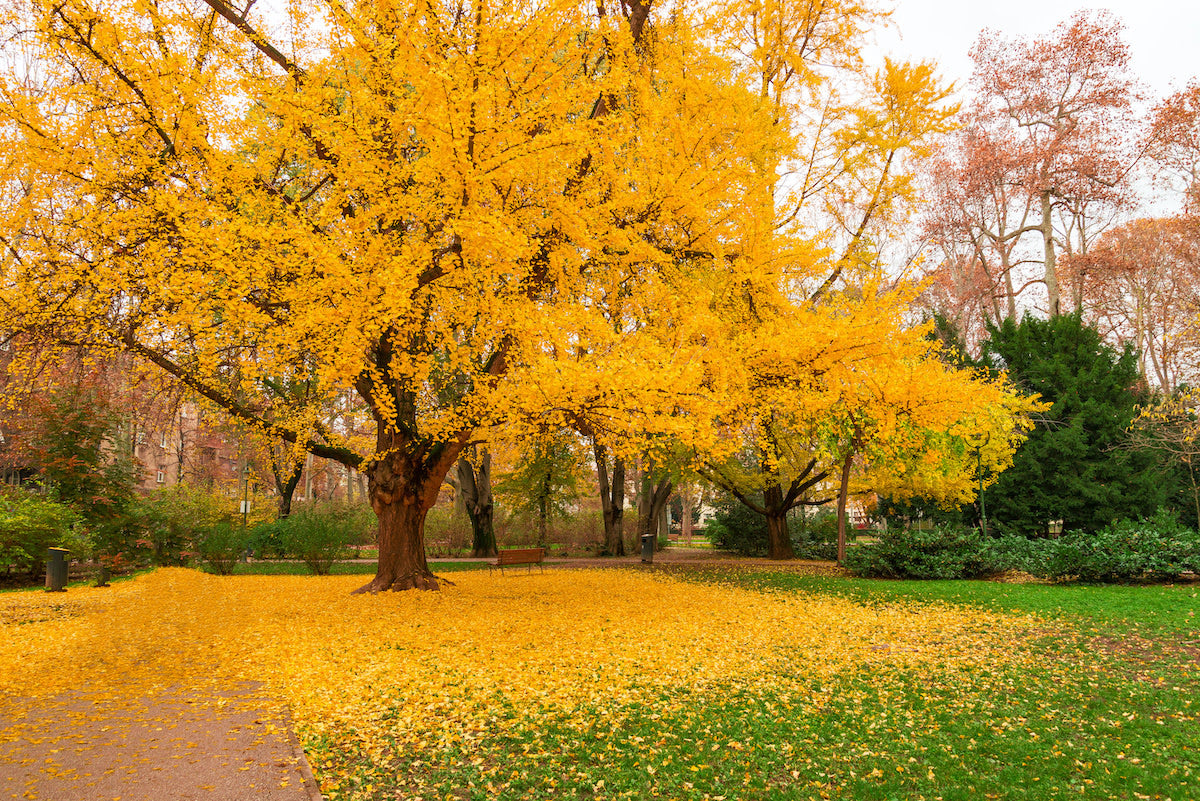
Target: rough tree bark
{"points": [[286, 485], [475, 484], [653, 501], [779, 539], [843, 492], [403, 484], [612, 500]]}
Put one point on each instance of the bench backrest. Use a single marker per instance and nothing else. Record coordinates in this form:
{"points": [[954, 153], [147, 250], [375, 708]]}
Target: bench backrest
{"points": [[520, 556]]}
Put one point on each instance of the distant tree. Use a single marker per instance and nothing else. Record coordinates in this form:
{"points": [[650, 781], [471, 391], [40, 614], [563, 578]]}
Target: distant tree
{"points": [[1144, 289], [1170, 428], [545, 480], [1072, 467], [75, 438], [1174, 144], [1067, 99], [1038, 169]]}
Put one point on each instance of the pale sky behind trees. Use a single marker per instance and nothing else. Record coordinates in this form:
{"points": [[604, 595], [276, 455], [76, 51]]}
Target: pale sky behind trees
{"points": [[1163, 35]]}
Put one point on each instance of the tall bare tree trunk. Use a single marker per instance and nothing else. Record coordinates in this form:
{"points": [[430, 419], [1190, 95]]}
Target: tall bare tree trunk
{"points": [[475, 486], [612, 500], [687, 498], [308, 468], [843, 492], [1051, 260]]}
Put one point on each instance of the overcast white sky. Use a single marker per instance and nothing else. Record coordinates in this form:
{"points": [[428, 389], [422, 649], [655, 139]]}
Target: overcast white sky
{"points": [[1163, 36]]}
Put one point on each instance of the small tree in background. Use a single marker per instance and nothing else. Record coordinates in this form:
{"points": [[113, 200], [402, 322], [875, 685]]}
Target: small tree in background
{"points": [[545, 481], [1170, 429], [29, 525], [74, 436]]}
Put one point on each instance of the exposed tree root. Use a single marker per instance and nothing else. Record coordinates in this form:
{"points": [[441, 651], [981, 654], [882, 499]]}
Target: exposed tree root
{"points": [[408, 581]]}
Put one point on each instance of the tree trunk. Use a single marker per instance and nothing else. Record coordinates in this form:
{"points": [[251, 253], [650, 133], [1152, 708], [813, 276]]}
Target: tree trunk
{"points": [[402, 491], [1051, 261], [612, 501], [286, 487], [308, 468], [686, 500], [475, 484], [843, 492], [544, 511], [650, 508], [779, 540]]}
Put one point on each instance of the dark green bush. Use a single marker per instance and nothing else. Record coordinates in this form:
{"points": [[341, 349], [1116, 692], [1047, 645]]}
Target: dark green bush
{"points": [[222, 545], [735, 527], [937, 552], [31, 524], [814, 536], [266, 540], [1157, 549]]}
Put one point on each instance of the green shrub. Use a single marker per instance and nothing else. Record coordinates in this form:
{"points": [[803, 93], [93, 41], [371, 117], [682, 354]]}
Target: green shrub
{"points": [[31, 524], [815, 536], [1157, 549], [937, 552], [735, 527], [1014, 552], [316, 533], [222, 545], [176, 518]]}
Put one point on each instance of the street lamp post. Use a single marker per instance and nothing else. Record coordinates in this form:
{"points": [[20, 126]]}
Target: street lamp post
{"points": [[245, 493]]}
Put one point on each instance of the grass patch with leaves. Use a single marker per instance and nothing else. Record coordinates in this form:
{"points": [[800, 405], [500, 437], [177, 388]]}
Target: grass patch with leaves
{"points": [[622, 684]]}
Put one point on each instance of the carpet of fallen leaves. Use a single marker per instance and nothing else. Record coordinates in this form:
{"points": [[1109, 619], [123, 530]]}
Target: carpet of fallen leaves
{"points": [[425, 673]]}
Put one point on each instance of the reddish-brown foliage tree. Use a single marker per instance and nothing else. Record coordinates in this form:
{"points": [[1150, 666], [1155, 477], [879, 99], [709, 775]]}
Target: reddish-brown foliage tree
{"points": [[976, 224], [1174, 143], [1055, 115], [1144, 289]]}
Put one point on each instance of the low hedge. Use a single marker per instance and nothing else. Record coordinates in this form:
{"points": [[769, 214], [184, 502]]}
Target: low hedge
{"points": [[1156, 549], [937, 552]]}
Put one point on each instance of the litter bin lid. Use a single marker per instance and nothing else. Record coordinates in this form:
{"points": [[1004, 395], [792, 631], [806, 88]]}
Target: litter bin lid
{"points": [[64, 550]]}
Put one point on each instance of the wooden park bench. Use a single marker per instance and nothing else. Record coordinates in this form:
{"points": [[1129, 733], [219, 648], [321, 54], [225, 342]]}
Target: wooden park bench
{"points": [[519, 556]]}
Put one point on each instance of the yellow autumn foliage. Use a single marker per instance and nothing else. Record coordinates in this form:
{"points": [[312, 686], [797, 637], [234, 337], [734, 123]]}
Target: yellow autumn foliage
{"points": [[426, 671]]}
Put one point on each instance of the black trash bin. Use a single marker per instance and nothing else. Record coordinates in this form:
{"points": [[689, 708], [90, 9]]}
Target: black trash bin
{"points": [[647, 548], [56, 570]]}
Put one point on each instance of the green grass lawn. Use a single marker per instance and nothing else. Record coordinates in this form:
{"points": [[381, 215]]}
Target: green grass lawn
{"points": [[1106, 708]]}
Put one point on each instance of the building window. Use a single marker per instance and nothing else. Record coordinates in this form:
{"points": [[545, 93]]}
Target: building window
{"points": [[163, 443], [141, 437], [161, 477]]}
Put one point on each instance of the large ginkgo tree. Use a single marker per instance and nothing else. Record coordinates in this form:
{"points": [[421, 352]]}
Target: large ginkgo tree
{"points": [[424, 202], [468, 214]]}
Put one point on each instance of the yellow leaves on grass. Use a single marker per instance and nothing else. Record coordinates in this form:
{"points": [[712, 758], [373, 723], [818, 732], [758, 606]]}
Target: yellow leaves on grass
{"points": [[426, 670]]}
